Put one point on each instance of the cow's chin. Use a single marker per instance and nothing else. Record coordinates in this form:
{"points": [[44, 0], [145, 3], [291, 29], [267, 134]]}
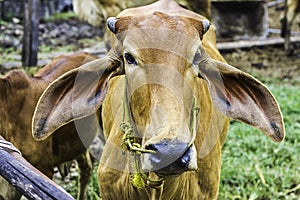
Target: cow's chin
{"points": [[187, 162]]}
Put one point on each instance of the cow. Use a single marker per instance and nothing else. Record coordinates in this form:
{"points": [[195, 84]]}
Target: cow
{"points": [[292, 9], [19, 95], [166, 97]]}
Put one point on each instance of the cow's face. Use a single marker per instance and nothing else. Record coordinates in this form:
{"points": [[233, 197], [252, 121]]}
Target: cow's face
{"points": [[158, 53]]}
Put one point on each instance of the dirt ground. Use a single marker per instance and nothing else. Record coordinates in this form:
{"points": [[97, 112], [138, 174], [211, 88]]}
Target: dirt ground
{"points": [[269, 62]]}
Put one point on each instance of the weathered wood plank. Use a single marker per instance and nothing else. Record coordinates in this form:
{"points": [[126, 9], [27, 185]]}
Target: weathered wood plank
{"points": [[32, 183], [246, 44]]}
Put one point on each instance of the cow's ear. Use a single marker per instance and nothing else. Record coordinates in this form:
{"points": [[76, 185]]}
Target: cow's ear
{"points": [[240, 96], [76, 94]]}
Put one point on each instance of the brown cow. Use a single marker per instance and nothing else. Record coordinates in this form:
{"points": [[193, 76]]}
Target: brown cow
{"points": [[19, 95], [292, 9], [166, 110]]}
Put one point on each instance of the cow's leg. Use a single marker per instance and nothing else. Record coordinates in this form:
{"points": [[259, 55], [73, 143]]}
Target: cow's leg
{"points": [[85, 165]]}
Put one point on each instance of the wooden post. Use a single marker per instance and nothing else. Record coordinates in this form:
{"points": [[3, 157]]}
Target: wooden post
{"points": [[27, 179], [31, 28]]}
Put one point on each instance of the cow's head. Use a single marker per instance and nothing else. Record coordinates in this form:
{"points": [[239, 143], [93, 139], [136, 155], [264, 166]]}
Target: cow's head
{"points": [[158, 52], [162, 57]]}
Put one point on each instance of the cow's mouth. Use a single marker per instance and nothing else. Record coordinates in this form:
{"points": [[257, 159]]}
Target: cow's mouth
{"points": [[170, 159]]}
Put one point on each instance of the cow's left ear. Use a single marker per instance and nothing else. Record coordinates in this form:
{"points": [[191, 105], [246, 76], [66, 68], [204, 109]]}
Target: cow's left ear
{"points": [[242, 97], [76, 94]]}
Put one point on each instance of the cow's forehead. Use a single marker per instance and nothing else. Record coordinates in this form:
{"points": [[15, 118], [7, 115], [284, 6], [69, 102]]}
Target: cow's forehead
{"points": [[160, 31], [180, 24]]}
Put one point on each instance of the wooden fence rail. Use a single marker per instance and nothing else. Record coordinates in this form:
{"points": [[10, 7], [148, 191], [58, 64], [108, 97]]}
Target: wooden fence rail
{"points": [[27, 179]]}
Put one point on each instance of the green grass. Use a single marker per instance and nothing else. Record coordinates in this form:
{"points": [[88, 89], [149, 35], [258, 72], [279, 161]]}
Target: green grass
{"points": [[72, 185], [254, 167], [9, 54], [93, 191]]}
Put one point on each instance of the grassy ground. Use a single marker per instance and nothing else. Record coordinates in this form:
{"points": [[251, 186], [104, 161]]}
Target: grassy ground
{"points": [[254, 167]]}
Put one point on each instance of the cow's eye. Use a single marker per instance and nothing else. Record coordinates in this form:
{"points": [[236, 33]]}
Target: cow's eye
{"points": [[197, 58], [130, 59]]}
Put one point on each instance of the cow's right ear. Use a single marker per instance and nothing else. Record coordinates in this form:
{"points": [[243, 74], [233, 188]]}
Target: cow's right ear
{"points": [[76, 94], [240, 96]]}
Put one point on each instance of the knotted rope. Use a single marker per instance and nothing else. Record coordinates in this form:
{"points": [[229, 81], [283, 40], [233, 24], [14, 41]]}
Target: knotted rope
{"points": [[139, 178], [128, 140]]}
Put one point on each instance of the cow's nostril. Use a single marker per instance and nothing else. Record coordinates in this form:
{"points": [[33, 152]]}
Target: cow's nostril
{"points": [[169, 158], [151, 147], [185, 159]]}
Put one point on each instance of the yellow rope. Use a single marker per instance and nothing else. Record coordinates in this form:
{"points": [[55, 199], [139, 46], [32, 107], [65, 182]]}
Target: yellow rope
{"points": [[139, 178], [128, 140]]}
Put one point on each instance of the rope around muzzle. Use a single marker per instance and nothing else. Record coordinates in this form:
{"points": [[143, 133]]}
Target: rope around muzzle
{"points": [[128, 140], [139, 178]]}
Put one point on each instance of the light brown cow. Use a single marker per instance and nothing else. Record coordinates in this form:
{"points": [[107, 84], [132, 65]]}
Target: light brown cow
{"points": [[19, 95], [166, 110], [292, 9]]}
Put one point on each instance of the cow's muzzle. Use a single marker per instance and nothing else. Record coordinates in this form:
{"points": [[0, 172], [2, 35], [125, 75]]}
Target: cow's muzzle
{"points": [[170, 158]]}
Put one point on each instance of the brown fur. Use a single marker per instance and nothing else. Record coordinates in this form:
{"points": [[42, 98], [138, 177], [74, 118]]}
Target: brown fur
{"points": [[19, 95]]}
